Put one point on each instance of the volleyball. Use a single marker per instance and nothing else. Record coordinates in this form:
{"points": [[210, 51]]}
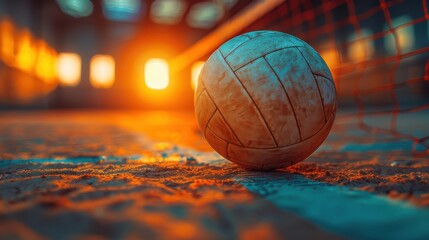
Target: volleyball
{"points": [[265, 100]]}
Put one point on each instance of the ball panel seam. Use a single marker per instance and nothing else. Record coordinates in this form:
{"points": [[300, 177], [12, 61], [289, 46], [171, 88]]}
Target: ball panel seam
{"points": [[223, 131], [332, 116], [220, 112], [216, 142], [272, 101], [253, 100], [321, 75], [232, 51], [315, 67], [199, 95], [209, 107], [288, 98], [217, 135], [317, 84], [298, 81], [256, 49], [235, 105], [309, 144], [328, 96], [259, 33], [208, 121], [227, 49], [241, 44], [263, 55]]}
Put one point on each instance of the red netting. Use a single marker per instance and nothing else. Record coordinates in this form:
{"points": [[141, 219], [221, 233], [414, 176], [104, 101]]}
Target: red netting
{"points": [[378, 52]]}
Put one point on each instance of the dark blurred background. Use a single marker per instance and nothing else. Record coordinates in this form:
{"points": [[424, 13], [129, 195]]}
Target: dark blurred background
{"points": [[121, 53], [129, 32]]}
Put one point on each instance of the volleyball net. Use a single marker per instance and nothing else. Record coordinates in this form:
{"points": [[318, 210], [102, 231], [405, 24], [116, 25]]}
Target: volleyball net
{"points": [[378, 52]]}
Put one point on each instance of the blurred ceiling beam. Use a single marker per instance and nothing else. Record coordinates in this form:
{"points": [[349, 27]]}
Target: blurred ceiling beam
{"points": [[224, 32]]}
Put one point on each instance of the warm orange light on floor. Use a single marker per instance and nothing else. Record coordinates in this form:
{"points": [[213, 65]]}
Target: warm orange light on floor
{"points": [[195, 72], [102, 71], [26, 52], [69, 69], [156, 73]]}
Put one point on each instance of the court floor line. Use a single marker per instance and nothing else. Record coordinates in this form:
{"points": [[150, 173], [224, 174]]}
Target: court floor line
{"points": [[351, 213]]}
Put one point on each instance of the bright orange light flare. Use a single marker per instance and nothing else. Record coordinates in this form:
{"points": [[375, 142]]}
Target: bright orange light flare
{"points": [[7, 42], [332, 59], [102, 71], [360, 50], [195, 72], [156, 73], [26, 52], [46, 63], [69, 69]]}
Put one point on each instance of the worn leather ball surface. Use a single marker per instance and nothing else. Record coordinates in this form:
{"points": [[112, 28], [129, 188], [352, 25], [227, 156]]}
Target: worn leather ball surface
{"points": [[265, 100]]}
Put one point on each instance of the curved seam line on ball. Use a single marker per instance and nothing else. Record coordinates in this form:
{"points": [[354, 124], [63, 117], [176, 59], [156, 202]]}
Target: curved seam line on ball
{"points": [[251, 98], [333, 116], [251, 61], [331, 82], [269, 33], [286, 145], [221, 138], [207, 127], [318, 74], [208, 121], [321, 75], [199, 95], [218, 109], [227, 156], [288, 98], [317, 84], [239, 45]]}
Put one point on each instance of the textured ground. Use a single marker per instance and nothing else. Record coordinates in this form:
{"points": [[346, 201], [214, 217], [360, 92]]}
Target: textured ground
{"points": [[151, 174]]}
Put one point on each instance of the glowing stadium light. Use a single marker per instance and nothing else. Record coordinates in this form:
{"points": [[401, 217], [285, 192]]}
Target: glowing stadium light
{"points": [[26, 52], [156, 73], [204, 15], [102, 71], [7, 42], [46, 63], [69, 69], [361, 47], [405, 35], [122, 10], [167, 11], [195, 72], [76, 8]]}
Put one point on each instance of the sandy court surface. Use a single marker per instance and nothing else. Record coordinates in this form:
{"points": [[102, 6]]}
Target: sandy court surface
{"points": [[151, 174]]}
